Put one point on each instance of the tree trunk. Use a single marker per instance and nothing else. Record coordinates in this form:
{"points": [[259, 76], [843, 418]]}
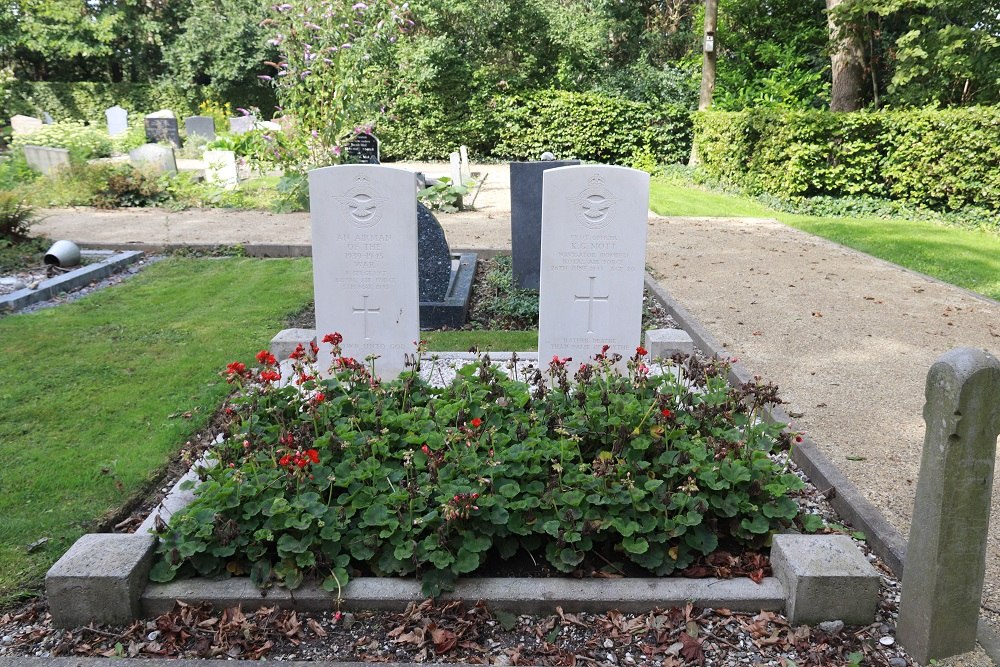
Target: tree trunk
{"points": [[710, 48], [847, 59]]}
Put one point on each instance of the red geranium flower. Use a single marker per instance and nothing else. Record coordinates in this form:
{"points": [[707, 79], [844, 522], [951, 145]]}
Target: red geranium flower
{"points": [[298, 352], [334, 339], [641, 351], [266, 358], [269, 376], [476, 422]]}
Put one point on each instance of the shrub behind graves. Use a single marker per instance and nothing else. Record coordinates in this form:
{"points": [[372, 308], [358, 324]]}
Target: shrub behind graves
{"points": [[589, 126], [329, 477], [944, 159], [124, 186]]}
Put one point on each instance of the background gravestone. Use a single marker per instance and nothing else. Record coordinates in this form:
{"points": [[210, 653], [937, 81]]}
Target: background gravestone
{"points": [[162, 126], [363, 149], [946, 551], [153, 156], [25, 124], [594, 222], [45, 159], [526, 218], [221, 169], [241, 124], [364, 231], [433, 256], [117, 120], [200, 126]]}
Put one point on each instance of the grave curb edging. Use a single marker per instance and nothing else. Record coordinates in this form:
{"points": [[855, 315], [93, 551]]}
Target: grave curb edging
{"points": [[517, 595], [75, 279], [887, 542]]}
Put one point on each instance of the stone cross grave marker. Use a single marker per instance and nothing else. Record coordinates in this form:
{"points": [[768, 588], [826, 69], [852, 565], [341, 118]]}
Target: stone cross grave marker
{"points": [[45, 159], [117, 120], [162, 126], [242, 124], [200, 126], [593, 254], [946, 553], [364, 149], [364, 230], [25, 124], [153, 156], [526, 218]]}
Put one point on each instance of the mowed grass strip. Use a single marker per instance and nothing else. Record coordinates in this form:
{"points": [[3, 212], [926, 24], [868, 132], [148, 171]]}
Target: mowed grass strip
{"points": [[97, 395], [964, 257]]}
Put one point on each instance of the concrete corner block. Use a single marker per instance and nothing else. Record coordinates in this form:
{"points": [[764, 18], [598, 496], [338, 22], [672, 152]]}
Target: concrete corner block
{"points": [[286, 340], [665, 343], [826, 578], [100, 579]]}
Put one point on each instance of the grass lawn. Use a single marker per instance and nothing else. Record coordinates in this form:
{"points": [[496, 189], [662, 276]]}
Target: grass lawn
{"points": [[95, 392], [964, 257], [487, 341]]}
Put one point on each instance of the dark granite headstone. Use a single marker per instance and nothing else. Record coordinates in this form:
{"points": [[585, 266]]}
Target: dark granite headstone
{"points": [[433, 256], [163, 129], [526, 218], [363, 149], [200, 126]]}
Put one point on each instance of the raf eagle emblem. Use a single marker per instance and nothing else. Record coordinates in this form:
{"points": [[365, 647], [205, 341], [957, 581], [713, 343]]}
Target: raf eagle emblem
{"points": [[595, 205], [362, 204]]}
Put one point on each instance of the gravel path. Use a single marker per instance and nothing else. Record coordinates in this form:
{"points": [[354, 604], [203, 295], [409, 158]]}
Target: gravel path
{"points": [[848, 338]]}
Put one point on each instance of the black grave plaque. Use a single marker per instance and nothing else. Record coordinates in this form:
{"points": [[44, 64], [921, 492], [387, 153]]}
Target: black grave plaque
{"points": [[363, 149], [433, 257], [163, 129], [526, 218]]}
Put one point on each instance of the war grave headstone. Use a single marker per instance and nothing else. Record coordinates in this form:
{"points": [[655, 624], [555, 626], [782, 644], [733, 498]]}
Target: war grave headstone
{"points": [[242, 124], [593, 255], [153, 156], [200, 126], [221, 169], [162, 126], [20, 124], [364, 231], [526, 217], [45, 159], [117, 120], [445, 279], [463, 152], [363, 149]]}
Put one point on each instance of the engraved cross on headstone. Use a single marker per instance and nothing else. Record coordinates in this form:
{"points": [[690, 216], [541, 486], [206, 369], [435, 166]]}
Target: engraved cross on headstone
{"points": [[363, 311], [590, 298]]}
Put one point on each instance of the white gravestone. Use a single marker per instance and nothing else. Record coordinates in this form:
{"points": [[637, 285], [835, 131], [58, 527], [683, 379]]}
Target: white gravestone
{"points": [[221, 169], [456, 169], [153, 156], [463, 152], [242, 124], [117, 120], [593, 256], [364, 231], [25, 124], [45, 159]]}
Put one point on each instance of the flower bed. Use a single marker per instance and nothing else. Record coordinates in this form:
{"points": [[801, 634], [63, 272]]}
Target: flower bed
{"points": [[598, 470]]}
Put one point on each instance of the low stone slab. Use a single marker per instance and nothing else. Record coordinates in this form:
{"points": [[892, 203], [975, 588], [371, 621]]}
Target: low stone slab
{"points": [[825, 578], [665, 343], [99, 580], [286, 340], [518, 595]]}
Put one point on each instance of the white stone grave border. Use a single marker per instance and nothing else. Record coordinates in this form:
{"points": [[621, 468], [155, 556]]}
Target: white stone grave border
{"points": [[81, 590]]}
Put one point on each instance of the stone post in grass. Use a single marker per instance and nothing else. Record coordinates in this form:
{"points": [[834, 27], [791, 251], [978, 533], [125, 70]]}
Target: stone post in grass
{"points": [[946, 554]]}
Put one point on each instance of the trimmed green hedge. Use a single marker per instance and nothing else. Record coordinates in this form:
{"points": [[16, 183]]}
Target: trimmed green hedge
{"points": [[87, 100], [939, 158], [586, 126]]}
